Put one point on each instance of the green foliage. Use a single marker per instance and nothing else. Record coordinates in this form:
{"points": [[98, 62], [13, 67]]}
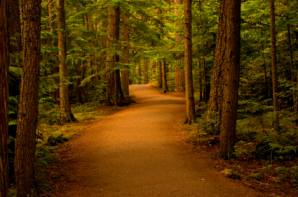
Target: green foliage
{"points": [[245, 150], [209, 123], [55, 140]]}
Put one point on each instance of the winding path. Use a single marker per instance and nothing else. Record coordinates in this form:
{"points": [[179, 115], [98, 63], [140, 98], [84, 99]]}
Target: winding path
{"points": [[138, 152]]}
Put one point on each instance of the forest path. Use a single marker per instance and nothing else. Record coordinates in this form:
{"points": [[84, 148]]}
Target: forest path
{"points": [[138, 152]]}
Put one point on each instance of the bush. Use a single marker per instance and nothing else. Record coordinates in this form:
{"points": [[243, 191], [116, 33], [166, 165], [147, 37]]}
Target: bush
{"points": [[210, 124], [294, 175], [55, 140], [245, 150]]}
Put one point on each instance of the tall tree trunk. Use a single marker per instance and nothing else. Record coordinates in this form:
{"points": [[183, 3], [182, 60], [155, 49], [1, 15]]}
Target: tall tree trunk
{"points": [[14, 31], [179, 72], [216, 72], [4, 63], [229, 56], [273, 65], [189, 90], [28, 103], [125, 71], [114, 90], [65, 108]]}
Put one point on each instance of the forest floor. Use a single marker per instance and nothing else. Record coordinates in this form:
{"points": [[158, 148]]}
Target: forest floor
{"points": [[140, 151]]}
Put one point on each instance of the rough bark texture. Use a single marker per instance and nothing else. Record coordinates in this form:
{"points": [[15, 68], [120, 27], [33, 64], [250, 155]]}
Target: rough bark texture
{"points": [[28, 103], [230, 63], [216, 73], [125, 70], [4, 63], [189, 91], [114, 90], [65, 108], [273, 65]]}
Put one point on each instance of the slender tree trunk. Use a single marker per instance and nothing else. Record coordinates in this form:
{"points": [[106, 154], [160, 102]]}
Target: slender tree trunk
{"points": [[50, 15], [115, 94], [230, 54], [4, 63], [65, 108], [179, 72], [189, 91], [28, 103], [159, 64], [146, 71], [164, 76], [125, 71], [273, 65]]}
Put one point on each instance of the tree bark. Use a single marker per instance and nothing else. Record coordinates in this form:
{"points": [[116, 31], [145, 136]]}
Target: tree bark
{"points": [[114, 91], [65, 108], [4, 63], [179, 72], [274, 66], [28, 103], [229, 56], [125, 71], [189, 90], [216, 73]]}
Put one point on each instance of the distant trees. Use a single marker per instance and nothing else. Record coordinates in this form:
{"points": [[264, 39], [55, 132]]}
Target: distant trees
{"points": [[189, 91], [4, 63], [28, 103]]}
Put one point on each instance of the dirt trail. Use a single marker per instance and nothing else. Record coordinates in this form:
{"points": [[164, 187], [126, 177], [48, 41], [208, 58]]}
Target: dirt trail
{"points": [[138, 152]]}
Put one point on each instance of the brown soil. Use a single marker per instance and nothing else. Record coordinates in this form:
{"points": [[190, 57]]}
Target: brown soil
{"points": [[140, 151]]}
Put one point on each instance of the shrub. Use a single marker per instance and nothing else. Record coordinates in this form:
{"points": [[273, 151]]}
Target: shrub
{"points": [[55, 140]]}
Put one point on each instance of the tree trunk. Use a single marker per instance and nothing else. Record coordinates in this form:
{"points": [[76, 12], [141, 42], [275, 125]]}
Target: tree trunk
{"points": [[14, 31], [125, 71], [159, 64], [164, 76], [114, 90], [146, 71], [65, 108], [179, 72], [4, 63], [189, 91], [216, 73], [273, 66], [229, 56], [28, 103]]}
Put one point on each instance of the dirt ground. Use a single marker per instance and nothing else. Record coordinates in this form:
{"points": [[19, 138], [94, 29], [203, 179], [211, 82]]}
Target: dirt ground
{"points": [[140, 151]]}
